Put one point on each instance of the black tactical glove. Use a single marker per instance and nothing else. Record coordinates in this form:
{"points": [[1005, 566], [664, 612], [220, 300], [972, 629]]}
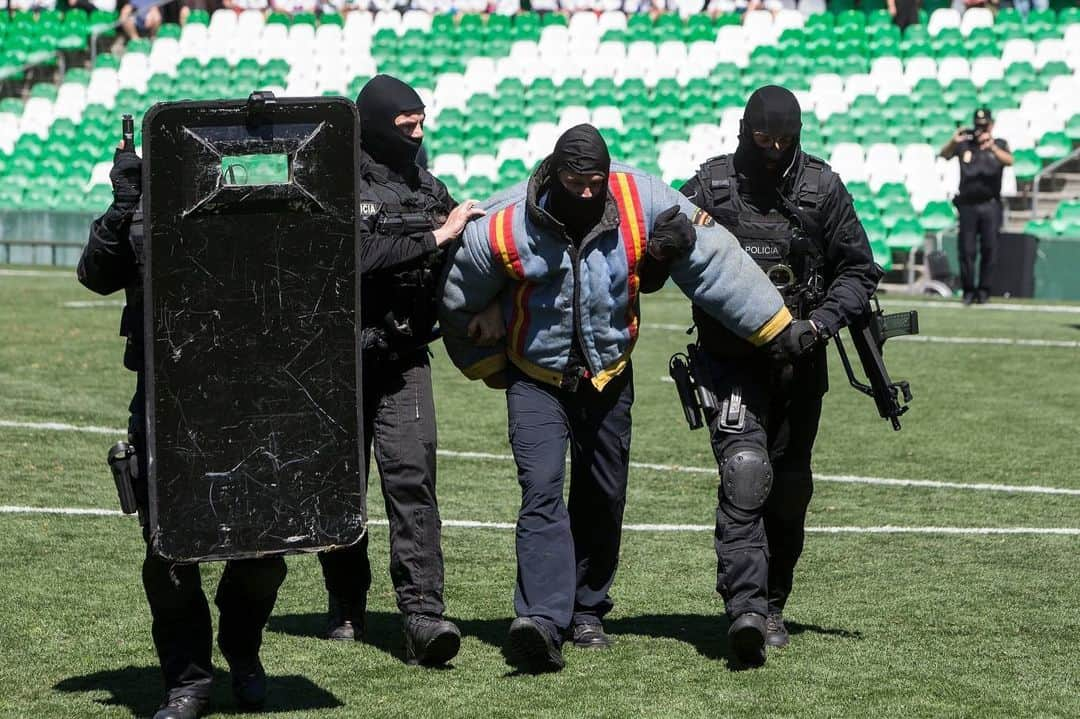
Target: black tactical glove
{"points": [[793, 342], [672, 235], [126, 178]]}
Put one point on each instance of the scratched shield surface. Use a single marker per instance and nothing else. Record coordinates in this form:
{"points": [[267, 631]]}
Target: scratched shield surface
{"points": [[254, 439]]}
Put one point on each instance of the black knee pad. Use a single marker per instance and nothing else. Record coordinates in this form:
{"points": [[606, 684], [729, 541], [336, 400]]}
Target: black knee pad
{"points": [[746, 478]]}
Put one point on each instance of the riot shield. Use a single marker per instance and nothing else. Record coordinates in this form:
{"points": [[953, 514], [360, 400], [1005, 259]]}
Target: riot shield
{"points": [[252, 298]]}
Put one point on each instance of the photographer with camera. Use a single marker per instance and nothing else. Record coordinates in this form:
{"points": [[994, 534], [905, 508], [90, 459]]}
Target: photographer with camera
{"points": [[983, 159]]}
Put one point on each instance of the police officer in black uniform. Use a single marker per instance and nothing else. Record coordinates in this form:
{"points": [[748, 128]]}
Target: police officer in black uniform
{"points": [[983, 159], [182, 631], [408, 219], [792, 213]]}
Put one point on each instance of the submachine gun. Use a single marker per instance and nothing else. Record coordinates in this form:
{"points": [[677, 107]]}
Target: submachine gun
{"points": [[868, 334]]}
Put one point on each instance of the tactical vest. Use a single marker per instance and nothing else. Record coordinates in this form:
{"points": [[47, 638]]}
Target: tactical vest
{"points": [[786, 242], [399, 306]]}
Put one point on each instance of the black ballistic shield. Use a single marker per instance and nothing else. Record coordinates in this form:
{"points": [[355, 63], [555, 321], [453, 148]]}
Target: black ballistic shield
{"points": [[252, 297]]}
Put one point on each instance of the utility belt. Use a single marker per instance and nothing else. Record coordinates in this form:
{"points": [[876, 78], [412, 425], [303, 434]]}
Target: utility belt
{"points": [[800, 296], [697, 394]]}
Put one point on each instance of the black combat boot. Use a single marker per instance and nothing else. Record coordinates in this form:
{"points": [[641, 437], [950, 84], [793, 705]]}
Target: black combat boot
{"points": [[533, 649], [777, 635], [430, 640], [182, 707], [590, 635], [248, 683], [747, 637], [345, 619]]}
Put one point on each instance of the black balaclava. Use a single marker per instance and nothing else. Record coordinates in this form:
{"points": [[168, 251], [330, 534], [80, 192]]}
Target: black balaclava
{"points": [[381, 100], [580, 149], [775, 111]]}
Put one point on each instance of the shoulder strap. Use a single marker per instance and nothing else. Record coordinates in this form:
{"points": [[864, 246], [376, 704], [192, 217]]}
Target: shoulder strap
{"points": [[815, 174], [717, 180]]}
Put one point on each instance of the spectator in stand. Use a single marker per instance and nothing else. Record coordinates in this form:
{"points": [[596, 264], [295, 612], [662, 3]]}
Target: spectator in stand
{"points": [[904, 12], [292, 7], [188, 5], [961, 5], [140, 18], [1026, 6], [240, 5]]}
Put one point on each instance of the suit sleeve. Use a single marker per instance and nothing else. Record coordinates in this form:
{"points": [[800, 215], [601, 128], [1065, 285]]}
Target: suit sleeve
{"points": [[108, 261], [849, 263], [472, 281], [723, 280]]}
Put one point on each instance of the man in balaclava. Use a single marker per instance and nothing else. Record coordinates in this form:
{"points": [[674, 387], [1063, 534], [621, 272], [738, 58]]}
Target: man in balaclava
{"points": [[792, 214], [567, 254], [407, 219]]}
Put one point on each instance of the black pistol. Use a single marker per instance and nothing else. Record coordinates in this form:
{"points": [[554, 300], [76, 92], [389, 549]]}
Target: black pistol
{"points": [[128, 132]]}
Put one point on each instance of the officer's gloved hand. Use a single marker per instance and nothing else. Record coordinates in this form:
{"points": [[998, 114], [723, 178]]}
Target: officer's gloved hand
{"points": [[794, 341], [126, 178], [672, 235]]}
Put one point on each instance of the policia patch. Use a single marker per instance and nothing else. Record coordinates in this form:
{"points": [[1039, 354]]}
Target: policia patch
{"points": [[703, 218]]}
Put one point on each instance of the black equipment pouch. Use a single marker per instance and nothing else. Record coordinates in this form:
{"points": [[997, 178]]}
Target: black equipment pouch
{"points": [[125, 470]]}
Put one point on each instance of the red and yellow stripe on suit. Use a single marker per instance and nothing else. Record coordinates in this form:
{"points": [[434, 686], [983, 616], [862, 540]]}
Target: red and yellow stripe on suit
{"points": [[504, 249]]}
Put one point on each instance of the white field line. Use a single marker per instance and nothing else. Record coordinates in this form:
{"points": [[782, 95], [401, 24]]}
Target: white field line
{"points": [[937, 339], [491, 456], [661, 528], [88, 304], [37, 273]]}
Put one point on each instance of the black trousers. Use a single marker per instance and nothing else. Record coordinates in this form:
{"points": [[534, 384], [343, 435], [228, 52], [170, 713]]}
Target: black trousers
{"points": [[567, 554], [181, 624], [399, 421], [980, 225], [757, 550]]}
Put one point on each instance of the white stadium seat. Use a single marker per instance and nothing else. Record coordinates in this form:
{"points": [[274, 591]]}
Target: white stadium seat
{"points": [[953, 68], [986, 68], [918, 68], [1017, 50], [941, 19], [976, 17]]}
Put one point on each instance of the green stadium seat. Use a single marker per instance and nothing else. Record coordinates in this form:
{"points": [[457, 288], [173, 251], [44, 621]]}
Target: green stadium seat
{"points": [[1026, 164], [938, 215], [1053, 145], [1043, 229], [906, 234]]}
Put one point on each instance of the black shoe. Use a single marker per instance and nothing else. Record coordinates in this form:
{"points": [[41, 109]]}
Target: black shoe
{"points": [[747, 637], [248, 683], [982, 298], [590, 636], [532, 649], [969, 298], [182, 707], [429, 640], [345, 620], [776, 632]]}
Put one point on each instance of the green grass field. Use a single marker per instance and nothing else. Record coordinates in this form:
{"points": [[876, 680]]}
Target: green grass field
{"points": [[925, 624]]}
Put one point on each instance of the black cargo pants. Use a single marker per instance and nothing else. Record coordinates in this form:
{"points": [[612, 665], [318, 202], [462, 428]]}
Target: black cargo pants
{"points": [[979, 228], [399, 420], [757, 548], [181, 625]]}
